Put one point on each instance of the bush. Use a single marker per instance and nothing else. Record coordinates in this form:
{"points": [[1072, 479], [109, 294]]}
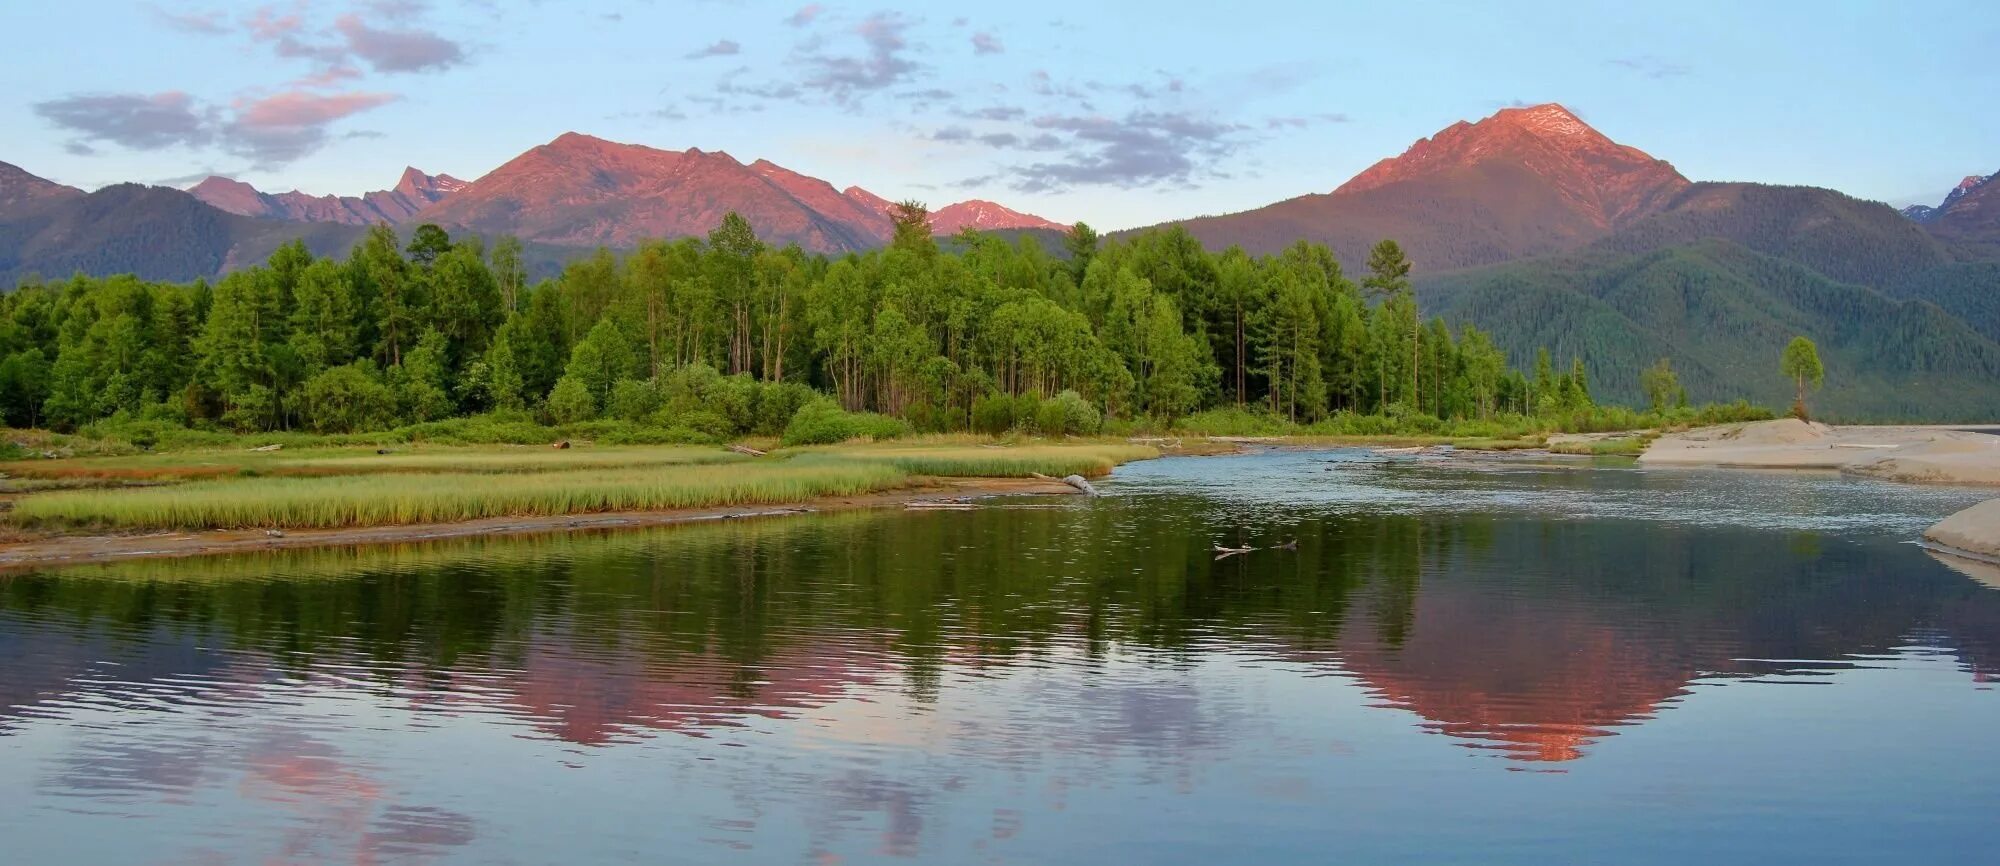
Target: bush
{"points": [[777, 403], [571, 401], [993, 414], [347, 399], [631, 400], [823, 422], [1067, 414]]}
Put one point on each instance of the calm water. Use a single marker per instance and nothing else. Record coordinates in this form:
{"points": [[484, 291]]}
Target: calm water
{"points": [[1465, 662]]}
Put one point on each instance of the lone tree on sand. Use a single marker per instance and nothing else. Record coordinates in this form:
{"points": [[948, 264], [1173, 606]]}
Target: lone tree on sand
{"points": [[1801, 364]]}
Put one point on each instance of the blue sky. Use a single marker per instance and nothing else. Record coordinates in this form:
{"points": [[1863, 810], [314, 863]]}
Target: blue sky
{"points": [[1119, 113]]}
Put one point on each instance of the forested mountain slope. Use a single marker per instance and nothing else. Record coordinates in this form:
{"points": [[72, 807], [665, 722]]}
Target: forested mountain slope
{"points": [[1722, 312]]}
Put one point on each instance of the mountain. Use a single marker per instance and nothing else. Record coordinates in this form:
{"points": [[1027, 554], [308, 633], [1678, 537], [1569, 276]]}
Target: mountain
{"points": [[154, 232], [1926, 213], [1722, 312], [583, 191], [19, 189], [579, 190], [1523, 182], [412, 193], [981, 215], [1971, 210]]}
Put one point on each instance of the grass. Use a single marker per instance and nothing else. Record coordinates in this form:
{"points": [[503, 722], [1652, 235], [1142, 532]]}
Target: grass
{"points": [[191, 465], [330, 488], [396, 499], [946, 459]]}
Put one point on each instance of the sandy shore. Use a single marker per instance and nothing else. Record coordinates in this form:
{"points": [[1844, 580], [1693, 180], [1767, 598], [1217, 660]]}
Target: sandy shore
{"points": [[1932, 455], [67, 549], [1972, 534]]}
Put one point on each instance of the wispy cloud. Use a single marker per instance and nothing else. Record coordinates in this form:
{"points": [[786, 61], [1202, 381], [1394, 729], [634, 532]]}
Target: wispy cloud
{"points": [[987, 43], [205, 23], [720, 48], [806, 15], [1651, 66], [406, 50], [883, 63], [270, 130]]}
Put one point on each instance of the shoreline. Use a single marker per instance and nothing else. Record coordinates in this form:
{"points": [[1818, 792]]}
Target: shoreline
{"points": [[1904, 454], [60, 550]]}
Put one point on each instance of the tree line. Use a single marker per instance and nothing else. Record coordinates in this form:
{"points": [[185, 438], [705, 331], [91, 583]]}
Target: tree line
{"points": [[726, 334]]}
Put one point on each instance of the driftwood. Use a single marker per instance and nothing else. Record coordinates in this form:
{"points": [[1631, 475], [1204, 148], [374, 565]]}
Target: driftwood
{"points": [[560, 446], [745, 449], [271, 447], [1077, 481]]}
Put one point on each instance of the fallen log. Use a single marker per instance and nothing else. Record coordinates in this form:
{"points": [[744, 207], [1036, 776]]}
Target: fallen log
{"points": [[745, 449], [271, 447]]}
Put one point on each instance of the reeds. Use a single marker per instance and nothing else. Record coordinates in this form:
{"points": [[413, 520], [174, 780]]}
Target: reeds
{"points": [[397, 499], [1090, 460]]}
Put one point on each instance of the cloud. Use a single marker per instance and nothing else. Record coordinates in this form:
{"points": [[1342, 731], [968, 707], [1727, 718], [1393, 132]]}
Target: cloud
{"points": [[280, 129], [271, 130], [987, 43], [883, 65], [722, 48], [1651, 66], [202, 23], [1144, 148], [398, 50], [1305, 121], [806, 15], [995, 112], [132, 120]]}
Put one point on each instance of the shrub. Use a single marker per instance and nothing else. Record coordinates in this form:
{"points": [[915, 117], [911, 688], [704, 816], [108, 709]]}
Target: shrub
{"points": [[632, 400], [1067, 414], [993, 414], [823, 422], [348, 398], [571, 401]]}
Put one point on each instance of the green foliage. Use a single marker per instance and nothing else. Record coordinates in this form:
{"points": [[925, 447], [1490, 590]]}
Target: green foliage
{"points": [[1067, 414], [725, 337], [823, 422], [1662, 387], [348, 398]]}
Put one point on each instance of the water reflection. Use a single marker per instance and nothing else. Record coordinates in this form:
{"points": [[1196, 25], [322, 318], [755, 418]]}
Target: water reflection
{"points": [[887, 681]]}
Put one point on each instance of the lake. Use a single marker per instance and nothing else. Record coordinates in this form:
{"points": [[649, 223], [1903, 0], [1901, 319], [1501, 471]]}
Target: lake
{"points": [[1454, 661]]}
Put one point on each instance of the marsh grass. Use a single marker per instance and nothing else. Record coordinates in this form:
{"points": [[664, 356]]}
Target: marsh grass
{"points": [[396, 499], [975, 461], [193, 465], [330, 488]]}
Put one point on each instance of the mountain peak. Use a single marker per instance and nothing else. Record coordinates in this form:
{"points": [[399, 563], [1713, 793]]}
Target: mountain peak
{"points": [[17, 185], [1549, 118], [1607, 182], [983, 215]]}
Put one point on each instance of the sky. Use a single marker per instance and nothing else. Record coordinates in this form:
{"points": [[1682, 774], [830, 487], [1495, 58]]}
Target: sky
{"points": [[1117, 113]]}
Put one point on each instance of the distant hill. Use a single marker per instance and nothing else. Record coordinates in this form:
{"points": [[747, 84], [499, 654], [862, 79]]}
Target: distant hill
{"points": [[20, 190], [1723, 312], [583, 191], [412, 193], [155, 232], [1524, 182]]}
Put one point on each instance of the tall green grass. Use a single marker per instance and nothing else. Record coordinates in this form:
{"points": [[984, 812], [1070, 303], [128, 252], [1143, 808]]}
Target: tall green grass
{"points": [[378, 500], [957, 461]]}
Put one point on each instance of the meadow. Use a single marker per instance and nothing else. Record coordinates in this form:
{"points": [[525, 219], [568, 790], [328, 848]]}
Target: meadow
{"points": [[335, 487]]}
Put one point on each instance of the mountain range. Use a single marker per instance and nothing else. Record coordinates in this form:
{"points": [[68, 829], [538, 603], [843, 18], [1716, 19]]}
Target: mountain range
{"points": [[583, 191], [1530, 223]]}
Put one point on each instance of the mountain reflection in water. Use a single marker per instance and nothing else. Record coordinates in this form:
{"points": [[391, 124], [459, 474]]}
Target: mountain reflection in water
{"points": [[908, 673]]}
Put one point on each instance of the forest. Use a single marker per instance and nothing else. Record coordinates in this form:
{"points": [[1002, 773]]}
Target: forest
{"points": [[701, 339]]}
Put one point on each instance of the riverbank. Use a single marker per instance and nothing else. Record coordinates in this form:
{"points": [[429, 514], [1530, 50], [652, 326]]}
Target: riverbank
{"points": [[1927, 455], [170, 503], [53, 550]]}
